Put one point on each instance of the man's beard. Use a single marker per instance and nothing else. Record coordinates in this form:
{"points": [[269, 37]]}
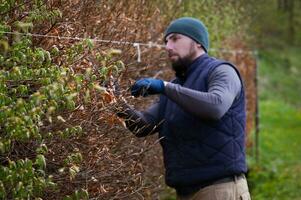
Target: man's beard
{"points": [[181, 65]]}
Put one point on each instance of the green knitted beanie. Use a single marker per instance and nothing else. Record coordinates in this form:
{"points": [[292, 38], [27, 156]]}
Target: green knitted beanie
{"points": [[191, 27]]}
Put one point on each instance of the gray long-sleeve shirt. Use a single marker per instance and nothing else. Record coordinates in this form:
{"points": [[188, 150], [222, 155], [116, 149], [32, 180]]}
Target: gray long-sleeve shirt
{"points": [[224, 86]]}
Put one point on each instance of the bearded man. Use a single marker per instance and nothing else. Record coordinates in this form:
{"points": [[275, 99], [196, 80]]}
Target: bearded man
{"points": [[200, 118]]}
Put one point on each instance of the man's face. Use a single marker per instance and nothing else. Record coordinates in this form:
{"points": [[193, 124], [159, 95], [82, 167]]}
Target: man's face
{"points": [[181, 50]]}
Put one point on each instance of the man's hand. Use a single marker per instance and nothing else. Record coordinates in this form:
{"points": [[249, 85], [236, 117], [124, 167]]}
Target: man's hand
{"points": [[147, 86]]}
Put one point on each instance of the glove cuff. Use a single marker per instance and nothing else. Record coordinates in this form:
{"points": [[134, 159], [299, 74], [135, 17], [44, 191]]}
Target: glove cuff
{"points": [[162, 86]]}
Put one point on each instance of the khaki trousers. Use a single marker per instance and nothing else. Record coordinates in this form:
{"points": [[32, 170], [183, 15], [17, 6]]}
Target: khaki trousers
{"points": [[234, 190]]}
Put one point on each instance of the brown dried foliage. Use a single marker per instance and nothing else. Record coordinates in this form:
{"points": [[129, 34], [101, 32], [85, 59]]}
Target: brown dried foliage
{"points": [[116, 165]]}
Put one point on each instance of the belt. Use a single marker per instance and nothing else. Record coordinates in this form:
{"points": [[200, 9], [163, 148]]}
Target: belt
{"points": [[227, 179], [183, 191]]}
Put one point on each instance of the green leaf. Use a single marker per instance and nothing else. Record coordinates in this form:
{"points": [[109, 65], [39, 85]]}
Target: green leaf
{"points": [[99, 88], [84, 194], [76, 195], [42, 149], [40, 55], [73, 170], [67, 198], [114, 52], [2, 191], [2, 147], [24, 27], [47, 57], [120, 65], [4, 47], [40, 161], [55, 51], [89, 43]]}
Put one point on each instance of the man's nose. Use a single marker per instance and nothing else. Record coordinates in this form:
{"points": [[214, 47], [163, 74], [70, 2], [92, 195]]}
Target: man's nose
{"points": [[168, 46]]}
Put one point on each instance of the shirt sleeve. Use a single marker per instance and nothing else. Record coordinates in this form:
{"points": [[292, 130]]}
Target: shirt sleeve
{"points": [[141, 123], [224, 86]]}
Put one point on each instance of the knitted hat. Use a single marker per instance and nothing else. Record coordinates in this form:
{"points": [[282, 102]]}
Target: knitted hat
{"points": [[191, 27]]}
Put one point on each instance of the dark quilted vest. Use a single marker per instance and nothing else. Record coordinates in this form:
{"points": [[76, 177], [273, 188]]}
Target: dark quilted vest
{"points": [[197, 150]]}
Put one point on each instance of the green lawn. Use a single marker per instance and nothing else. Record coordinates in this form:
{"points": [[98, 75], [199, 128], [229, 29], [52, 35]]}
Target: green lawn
{"points": [[280, 75], [277, 175]]}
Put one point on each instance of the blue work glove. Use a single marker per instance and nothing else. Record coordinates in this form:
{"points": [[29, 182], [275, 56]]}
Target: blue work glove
{"points": [[147, 86]]}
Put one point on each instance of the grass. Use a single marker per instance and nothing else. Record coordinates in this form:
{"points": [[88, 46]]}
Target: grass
{"points": [[278, 173], [279, 75]]}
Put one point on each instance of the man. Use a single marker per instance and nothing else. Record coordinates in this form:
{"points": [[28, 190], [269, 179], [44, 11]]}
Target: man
{"points": [[200, 117]]}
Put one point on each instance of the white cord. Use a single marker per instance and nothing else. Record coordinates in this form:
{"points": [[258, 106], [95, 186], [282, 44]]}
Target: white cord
{"points": [[135, 44]]}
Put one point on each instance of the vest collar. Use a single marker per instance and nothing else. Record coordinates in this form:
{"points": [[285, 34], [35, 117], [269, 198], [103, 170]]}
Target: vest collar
{"points": [[197, 62]]}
